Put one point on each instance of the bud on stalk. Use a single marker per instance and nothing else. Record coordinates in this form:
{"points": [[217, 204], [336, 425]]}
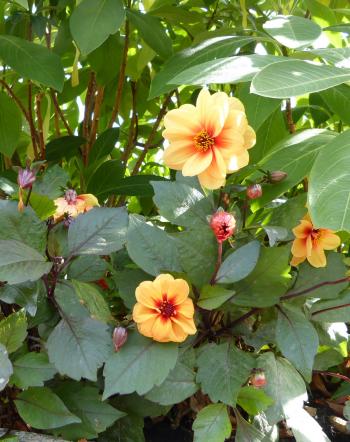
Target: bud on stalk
{"points": [[254, 191], [258, 378], [26, 177], [277, 176], [120, 335], [223, 225]]}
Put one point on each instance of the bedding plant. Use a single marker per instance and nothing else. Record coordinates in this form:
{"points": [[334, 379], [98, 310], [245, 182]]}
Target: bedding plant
{"points": [[174, 219]]}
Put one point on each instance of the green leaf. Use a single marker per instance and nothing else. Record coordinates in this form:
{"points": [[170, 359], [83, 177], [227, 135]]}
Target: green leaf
{"points": [[225, 70], [151, 248], [222, 369], [78, 345], [85, 402], [211, 49], [106, 177], [22, 226], [93, 21], [181, 204], [126, 429], [297, 339], [99, 61], [104, 144], [20, 263], [136, 405], [212, 424], [10, 125], [213, 296], [267, 282], [5, 367], [32, 61], [43, 206], [275, 234], [63, 147], [239, 264], [253, 400], [127, 280], [87, 268], [291, 78], [294, 155], [32, 370], [328, 196], [334, 310], [245, 431], [139, 365], [337, 100], [42, 409], [284, 385], [178, 386], [138, 185], [25, 295], [93, 300], [197, 254], [327, 358], [152, 32], [291, 31], [52, 182], [98, 232], [309, 276]]}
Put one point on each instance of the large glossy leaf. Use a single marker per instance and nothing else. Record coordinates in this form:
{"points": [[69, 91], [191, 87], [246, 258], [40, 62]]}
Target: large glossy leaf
{"points": [[297, 339], [20, 263], [328, 196], [296, 77], [98, 232], [152, 32], [5, 367], [292, 31], [151, 248], [337, 99], [32, 370], [94, 20], [32, 61], [10, 125], [222, 370], [104, 144], [41, 408], [212, 424], [63, 147], [139, 365], [106, 177], [213, 296], [239, 264], [138, 185]]}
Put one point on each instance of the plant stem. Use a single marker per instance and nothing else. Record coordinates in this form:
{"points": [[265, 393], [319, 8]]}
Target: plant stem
{"points": [[328, 309], [242, 318], [60, 113], [39, 117], [335, 375], [314, 287], [218, 263]]}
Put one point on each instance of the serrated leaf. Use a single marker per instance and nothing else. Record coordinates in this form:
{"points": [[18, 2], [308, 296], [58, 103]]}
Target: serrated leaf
{"points": [[5, 367], [32, 370], [253, 400], [98, 232], [212, 424], [139, 365], [13, 330], [42, 409]]}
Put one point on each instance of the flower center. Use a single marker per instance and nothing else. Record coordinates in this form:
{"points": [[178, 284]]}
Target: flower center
{"points": [[71, 196], [203, 141], [167, 309], [315, 234]]}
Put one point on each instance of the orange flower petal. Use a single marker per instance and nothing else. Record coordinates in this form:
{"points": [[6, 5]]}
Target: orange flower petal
{"points": [[178, 335], [163, 282], [317, 257], [236, 104], [175, 156], [249, 138], [162, 330], [148, 294], [89, 199], [142, 313], [299, 248], [197, 163], [236, 162], [186, 324], [329, 240], [296, 261], [303, 229], [186, 308], [145, 328], [185, 120], [178, 291]]}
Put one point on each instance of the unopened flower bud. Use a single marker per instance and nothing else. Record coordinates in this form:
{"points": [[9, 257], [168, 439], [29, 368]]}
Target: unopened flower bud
{"points": [[254, 191], [120, 335], [258, 378], [70, 196], [26, 178], [103, 284], [223, 225], [277, 176]]}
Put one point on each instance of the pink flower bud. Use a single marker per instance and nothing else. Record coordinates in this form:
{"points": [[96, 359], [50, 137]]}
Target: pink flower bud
{"points": [[120, 335], [223, 225], [254, 191], [26, 178], [277, 176], [258, 378], [70, 196]]}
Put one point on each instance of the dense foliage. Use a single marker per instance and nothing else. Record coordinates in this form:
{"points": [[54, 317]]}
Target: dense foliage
{"points": [[248, 296]]}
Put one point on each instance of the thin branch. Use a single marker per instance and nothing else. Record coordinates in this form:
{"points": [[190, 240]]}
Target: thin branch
{"points": [[289, 115], [314, 287], [89, 99], [60, 113], [218, 264], [153, 133], [242, 318], [33, 132], [133, 126], [39, 117], [335, 375], [96, 119], [121, 78], [15, 99], [328, 309]]}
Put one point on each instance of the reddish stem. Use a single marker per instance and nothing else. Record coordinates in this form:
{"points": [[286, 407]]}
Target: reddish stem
{"points": [[335, 375], [218, 263], [314, 287]]}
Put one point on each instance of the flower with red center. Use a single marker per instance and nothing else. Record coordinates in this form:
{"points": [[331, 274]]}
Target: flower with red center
{"points": [[163, 311], [210, 139], [72, 205], [223, 225], [310, 243]]}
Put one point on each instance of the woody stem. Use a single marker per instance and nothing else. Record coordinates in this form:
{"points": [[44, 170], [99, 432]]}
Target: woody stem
{"points": [[218, 263]]}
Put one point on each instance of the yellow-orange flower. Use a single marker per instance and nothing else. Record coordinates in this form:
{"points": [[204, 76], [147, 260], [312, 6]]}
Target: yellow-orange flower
{"points": [[310, 243], [163, 311], [72, 204], [210, 139]]}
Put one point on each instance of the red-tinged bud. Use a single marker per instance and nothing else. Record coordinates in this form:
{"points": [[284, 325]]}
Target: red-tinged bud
{"points": [[223, 225], [120, 335], [26, 178], [258, 378], [103, 284], [277, 176], [254, 191]]}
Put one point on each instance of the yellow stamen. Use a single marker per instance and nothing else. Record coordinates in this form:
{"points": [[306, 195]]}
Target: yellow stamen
{"points": [[203, 141]]}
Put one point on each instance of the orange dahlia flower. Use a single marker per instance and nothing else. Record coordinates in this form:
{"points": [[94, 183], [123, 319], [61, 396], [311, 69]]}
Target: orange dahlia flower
{"points": [[163, 311], [210, 139], [72, 205], [310, 243]]}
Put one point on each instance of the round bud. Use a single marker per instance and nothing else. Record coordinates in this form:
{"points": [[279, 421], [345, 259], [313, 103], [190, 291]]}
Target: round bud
{"points": [[254, 191], [120, 335], [277, 176], [223, 225], [258, 378]]}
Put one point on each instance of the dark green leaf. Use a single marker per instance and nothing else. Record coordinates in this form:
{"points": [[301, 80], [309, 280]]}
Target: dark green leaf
{"points": [[64, 147], [337, 100], [138, 185], [126, 429], [87, 268], [52, 182], [106, 177], [253, 400], [32, 370], [334, 310], [212, 424], [25, 295], [10, 124], [93, 300], [104, 144], [213, 296]]}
